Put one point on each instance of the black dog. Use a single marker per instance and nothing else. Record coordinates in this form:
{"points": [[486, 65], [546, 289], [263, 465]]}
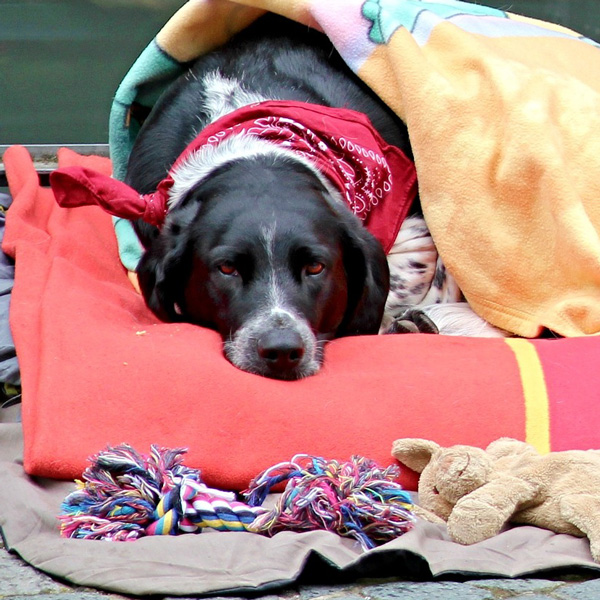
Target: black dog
{"points": [[255, 242]]}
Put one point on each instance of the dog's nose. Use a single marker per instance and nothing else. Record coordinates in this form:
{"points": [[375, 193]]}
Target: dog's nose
{"points": [[281, 349]]}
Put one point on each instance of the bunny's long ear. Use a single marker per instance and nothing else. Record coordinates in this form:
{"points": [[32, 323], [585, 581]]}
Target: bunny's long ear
{"points": [[415, 453]]}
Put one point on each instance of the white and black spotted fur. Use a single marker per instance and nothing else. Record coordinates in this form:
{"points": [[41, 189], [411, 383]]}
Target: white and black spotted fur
{"points": [[257, 243]]}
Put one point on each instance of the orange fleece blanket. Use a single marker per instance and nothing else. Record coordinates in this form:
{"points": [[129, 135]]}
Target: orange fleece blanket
{"points": [[98, 368]]}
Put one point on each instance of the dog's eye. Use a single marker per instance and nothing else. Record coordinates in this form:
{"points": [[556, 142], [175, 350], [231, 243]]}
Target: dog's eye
{"points": [[227, 268], [314, 268]]}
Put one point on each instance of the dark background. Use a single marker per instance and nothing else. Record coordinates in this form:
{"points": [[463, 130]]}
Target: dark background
{"points": [[61, 60]]}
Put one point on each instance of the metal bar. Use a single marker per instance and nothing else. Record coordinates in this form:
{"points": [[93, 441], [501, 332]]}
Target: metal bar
{"points": [[45, 159]]}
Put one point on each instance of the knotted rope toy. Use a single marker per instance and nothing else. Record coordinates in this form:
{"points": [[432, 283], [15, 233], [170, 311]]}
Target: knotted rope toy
{"points": [[354, 499], [125, 495]]}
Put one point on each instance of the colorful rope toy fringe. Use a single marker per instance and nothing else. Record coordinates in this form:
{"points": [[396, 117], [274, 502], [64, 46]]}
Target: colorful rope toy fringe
{"points": [[353, 499], [125, 495]]}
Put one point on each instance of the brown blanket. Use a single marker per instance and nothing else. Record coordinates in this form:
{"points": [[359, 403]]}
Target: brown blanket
{"points": [[244, 562]]}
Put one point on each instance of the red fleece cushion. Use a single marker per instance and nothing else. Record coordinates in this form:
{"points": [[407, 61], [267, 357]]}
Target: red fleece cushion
{"points": [[98, 368]]}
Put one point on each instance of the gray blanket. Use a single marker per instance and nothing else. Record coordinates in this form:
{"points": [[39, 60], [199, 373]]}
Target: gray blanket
{"points": [[9, 366], [244, 562]]}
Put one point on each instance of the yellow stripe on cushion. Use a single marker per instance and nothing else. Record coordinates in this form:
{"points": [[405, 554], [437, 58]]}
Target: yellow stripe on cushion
{"points": [[537, 413]]}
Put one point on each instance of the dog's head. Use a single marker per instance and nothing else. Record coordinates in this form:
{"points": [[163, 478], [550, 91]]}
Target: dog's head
{"points": [[261, 252]]}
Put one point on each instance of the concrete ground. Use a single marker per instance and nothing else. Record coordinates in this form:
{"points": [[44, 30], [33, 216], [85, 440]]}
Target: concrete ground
{"points": [[19, 581]]}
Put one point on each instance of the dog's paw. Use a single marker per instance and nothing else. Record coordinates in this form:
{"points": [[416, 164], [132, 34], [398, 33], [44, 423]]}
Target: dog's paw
{"points": [[412, 320]]}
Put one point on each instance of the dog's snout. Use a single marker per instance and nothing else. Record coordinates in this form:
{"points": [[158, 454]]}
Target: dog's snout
{"points": [[272, 346], [281, 349]]}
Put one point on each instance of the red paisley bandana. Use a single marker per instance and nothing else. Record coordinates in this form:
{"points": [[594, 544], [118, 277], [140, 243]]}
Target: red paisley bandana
{"points": [[376, 180]]}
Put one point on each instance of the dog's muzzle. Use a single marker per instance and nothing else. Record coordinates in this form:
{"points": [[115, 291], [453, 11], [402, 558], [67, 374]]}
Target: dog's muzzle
{"points": [[276, 344]]}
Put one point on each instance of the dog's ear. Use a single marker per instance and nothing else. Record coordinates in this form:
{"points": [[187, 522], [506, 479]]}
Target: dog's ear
{"points": [[165, 267], [367, 275], [162, 272]]}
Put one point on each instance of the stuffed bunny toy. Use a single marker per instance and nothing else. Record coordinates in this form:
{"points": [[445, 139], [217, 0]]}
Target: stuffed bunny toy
{"points": [[478, 492]]}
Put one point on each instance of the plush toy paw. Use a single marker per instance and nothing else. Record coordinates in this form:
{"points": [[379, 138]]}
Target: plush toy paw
{"points": [[484, 512], [412, 320], [427, 515], [473, 520], [583, 511]]}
